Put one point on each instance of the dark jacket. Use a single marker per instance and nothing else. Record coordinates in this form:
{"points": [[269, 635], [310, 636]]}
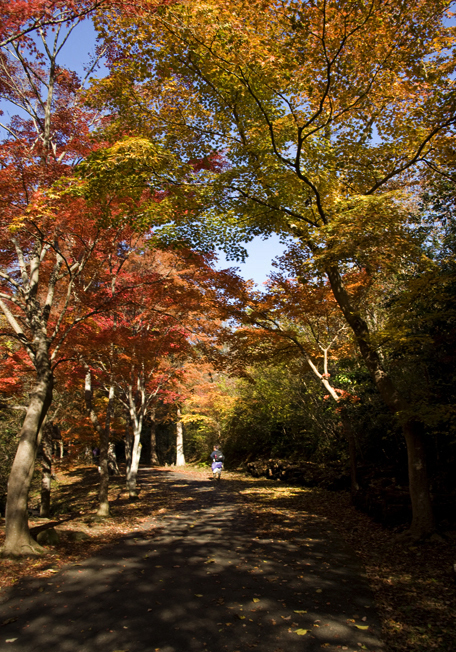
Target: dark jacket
{"points": [[217, 454]]}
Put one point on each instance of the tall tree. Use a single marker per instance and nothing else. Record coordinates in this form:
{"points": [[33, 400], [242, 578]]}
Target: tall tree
{"points": [[294, 318], [45, 245], [326, 113]]}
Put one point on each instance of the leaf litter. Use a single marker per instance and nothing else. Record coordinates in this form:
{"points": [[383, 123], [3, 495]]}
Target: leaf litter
{"points": [[413, 585]]}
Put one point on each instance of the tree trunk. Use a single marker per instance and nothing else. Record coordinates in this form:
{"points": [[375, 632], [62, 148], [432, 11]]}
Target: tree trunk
{"points": [[153, 458], [180, 457], [137, 406], [423, 520], [46, 470], [128, 447], [103, 508], [103, 497], [350, 436], [132, 471], [18, 540], [104, 433], [112, 459], [420, 495]]}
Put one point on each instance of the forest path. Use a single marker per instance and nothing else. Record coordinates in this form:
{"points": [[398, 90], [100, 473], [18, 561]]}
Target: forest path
{"points": [[202, 578]]}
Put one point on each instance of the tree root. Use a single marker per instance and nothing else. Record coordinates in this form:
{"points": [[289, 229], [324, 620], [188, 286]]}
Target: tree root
{"points": [[409, 537], [31, 549]]}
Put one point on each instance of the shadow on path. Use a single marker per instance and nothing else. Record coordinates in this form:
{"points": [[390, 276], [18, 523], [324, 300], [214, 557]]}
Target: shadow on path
{"points": [[200, 579]]}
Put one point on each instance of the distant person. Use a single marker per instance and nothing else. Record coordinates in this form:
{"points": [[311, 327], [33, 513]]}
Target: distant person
{"points": [[96, 455], [217, 458]]}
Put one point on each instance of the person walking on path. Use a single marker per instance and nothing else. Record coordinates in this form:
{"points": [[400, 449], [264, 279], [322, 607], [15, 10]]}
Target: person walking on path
{"points": [[217, 458]]}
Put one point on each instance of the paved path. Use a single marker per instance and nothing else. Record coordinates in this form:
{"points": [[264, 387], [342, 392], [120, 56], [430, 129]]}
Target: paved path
{"points": [[200, 580]]}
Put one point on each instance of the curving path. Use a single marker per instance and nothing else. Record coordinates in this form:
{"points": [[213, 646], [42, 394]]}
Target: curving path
{"points": [[200, 580]]}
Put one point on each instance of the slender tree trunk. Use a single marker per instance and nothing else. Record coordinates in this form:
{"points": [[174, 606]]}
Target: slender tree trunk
{"points": [[103, 497], [423, 520], [153, 459], [103, 433], [137, 405], [112, 459], [103, 508], [128, 447], [18, 540], [350, 436], [422, 514], [180, 457], [132, 472], [46, 470]]}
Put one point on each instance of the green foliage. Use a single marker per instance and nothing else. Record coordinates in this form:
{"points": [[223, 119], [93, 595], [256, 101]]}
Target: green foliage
{"points": [[280, 412], [421, 313]]}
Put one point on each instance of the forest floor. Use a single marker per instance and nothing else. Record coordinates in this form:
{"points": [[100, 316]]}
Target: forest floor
{"points": [[413, 585]]}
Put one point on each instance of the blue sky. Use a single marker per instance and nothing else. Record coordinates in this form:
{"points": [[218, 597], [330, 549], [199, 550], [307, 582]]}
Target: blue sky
{"points": [[259, 263]]}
